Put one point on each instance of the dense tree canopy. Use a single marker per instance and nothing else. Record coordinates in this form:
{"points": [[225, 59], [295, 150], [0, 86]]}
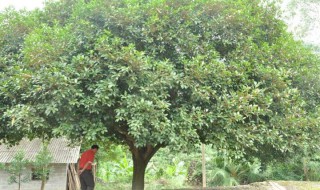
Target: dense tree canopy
{"points": [[153, 73]]}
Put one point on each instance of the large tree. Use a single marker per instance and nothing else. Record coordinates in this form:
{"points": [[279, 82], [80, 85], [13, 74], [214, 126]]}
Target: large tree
{"points": [[157, 73]]}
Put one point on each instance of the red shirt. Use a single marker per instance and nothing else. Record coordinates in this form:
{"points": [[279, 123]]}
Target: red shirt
{"points": [[86, 157]]}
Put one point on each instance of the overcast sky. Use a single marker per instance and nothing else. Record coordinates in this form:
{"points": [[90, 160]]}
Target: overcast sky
{"points": [[21, 4]]}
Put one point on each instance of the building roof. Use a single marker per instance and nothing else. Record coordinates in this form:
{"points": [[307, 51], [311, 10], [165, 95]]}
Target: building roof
{"points": [[59, 149]]}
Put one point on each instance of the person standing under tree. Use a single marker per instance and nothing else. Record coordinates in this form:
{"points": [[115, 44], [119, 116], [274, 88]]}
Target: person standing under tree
{"points": [[85, 168]]}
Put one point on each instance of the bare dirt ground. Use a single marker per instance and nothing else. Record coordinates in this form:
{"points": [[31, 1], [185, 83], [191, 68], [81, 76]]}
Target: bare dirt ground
{"points": [[271, 185]]}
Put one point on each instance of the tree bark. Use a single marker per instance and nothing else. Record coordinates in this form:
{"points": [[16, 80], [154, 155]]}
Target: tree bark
{"points": [[19, 182], [139, 168], [43, 182], [141, 157]]}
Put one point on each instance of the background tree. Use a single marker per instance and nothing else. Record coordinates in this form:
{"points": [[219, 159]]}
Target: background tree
{"points": [[41, 165], [151, 74], [18, 171]]}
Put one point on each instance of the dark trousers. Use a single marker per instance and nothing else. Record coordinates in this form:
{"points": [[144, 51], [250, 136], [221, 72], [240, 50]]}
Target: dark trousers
{"points": [[86, 180]]}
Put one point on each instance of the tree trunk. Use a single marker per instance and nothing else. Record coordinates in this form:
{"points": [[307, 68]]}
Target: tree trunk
{"points": [[141, 157], [204, 177], [19, 182], [139, 168], [43, 182]]}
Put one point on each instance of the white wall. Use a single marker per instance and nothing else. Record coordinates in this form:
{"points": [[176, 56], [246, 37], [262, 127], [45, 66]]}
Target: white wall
{"points": [[57, 180]]}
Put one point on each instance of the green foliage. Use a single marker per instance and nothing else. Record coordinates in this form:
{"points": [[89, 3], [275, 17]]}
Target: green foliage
{"points": [[285, 171], [17, 169], [181, 170], [225, 173], [14, 28], [298, 168], [140, 74], [151, 74], [167, 170], [46, 44], [115, 165], [41, 165], [312, 170], [222, 170], [164, 170]]}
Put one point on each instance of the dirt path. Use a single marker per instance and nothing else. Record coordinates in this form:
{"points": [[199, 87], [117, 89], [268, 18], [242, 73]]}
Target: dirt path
{"points": [[300, 185], [276, 185]]}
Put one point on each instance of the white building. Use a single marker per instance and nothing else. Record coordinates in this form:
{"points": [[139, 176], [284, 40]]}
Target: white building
{"points": [[61, 175]]}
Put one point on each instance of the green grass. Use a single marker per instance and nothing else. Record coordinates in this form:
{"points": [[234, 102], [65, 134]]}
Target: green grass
{"points": [[154, 185], [113, 186], [158, 185]]}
